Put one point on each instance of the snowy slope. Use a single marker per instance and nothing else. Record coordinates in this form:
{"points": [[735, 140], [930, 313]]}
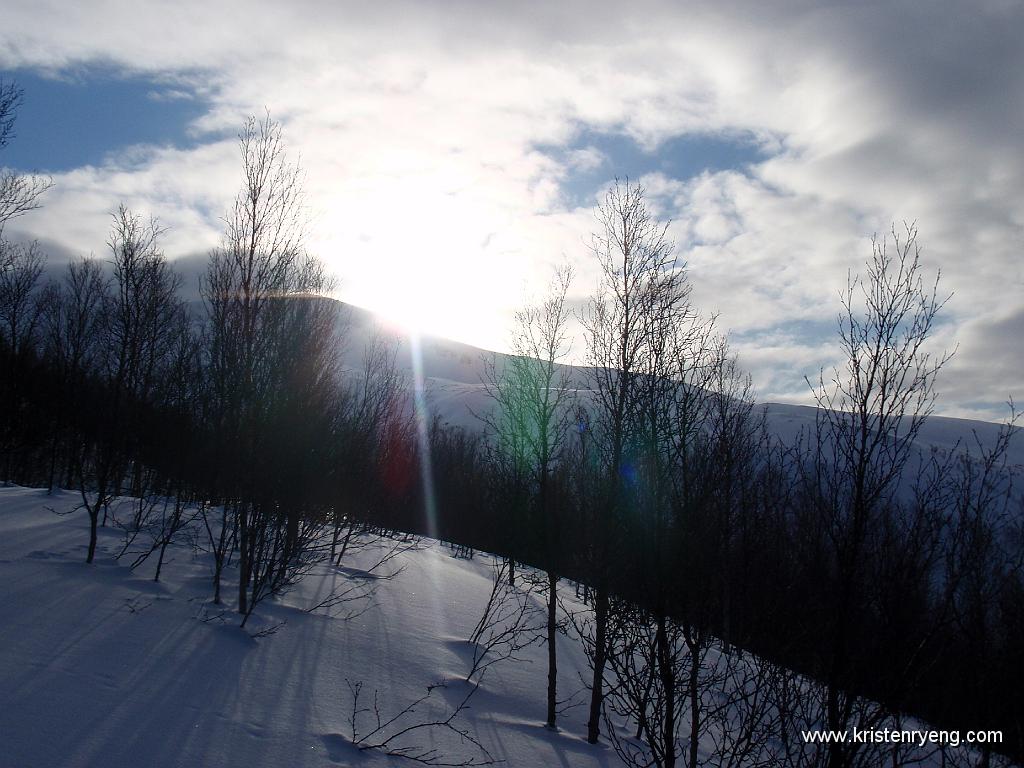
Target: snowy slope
{"points": [[99, 666]]}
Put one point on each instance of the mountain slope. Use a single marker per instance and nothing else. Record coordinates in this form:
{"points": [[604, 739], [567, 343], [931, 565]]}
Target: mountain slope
{"points": [[453, 373], [99, 665]]}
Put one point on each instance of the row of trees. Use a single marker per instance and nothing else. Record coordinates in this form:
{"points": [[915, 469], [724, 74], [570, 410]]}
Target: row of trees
{"points": [[232, 415], [716, 560], [851, 555]]}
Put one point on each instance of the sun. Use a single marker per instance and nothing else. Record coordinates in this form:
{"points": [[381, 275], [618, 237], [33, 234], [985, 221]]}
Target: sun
{"points": [[445, 304], [428, 270]]}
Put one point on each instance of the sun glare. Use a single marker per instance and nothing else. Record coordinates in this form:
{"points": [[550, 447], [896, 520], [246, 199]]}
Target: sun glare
{"points": [[434, 274], [444, 305]]}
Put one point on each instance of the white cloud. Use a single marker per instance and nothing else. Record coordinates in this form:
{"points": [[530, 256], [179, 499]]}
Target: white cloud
{"points": [[419, 127]]}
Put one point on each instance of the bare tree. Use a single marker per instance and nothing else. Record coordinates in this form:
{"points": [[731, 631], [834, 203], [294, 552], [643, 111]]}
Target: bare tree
{"points": [[147, 317], [20, 269], [983, 587], [143, 317], [10, 100], [255, 264], [508, 624], [19, 192], [648, 661], [374, 420], [74, 315], [273, 366], [401, 734], [290, 517], [869, 416], [643, 292], [742, 717], [532, 394]]}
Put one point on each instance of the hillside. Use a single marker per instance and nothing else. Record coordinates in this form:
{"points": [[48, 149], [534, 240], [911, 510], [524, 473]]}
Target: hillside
{"points": [[99, 665], [453, 373]]}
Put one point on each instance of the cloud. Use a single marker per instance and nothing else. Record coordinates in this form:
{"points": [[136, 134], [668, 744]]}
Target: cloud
{"points": [[985, 370], [439, 140], [170, 94]]}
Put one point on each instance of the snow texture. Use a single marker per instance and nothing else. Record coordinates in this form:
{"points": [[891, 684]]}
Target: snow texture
{"points": [[100, 666]]}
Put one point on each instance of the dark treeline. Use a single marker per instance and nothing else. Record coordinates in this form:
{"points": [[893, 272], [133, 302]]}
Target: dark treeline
{"points": [[873, 582], [888, 575], [236, 418]]}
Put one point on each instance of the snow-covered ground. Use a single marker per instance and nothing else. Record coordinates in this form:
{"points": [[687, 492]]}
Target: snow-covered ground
{"points": [[100, 666]]}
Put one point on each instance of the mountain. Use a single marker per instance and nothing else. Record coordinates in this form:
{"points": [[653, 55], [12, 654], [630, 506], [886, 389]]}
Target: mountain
{"points": [[453, 374]]}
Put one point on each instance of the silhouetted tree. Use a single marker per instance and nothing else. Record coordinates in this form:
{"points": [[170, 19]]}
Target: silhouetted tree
{"points": [[20, 270], [642, 288], [73, 330], [869, 415], [19, 192], [532, 397], [143, 316], [248, 274]]}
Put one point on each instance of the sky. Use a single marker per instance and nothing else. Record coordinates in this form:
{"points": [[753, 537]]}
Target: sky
{"points": [[454, 152]]}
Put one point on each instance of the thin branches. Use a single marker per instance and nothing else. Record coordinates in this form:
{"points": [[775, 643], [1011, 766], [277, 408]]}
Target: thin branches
{"points": [[396, 734], [509, 624]]}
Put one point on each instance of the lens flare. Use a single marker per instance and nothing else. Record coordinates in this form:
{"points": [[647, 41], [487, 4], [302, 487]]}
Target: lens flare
{"points": [[423, 434]]}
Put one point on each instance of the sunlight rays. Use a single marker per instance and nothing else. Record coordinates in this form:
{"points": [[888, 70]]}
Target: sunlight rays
{"points": [[423, 434]]}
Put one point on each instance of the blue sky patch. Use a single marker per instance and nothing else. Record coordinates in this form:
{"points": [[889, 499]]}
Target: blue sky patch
{"points": [[681, 157], [79, 118]]}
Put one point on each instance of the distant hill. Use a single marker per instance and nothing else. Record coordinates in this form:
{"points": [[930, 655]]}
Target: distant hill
{"points": [[453, 373]]}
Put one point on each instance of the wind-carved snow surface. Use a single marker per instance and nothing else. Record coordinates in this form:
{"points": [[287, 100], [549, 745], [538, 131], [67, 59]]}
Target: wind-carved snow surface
{"points": [[101, 666]]}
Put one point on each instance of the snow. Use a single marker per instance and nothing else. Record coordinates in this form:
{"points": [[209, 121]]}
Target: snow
{"points": [[942, 432], [452, 375], [99, 665]]}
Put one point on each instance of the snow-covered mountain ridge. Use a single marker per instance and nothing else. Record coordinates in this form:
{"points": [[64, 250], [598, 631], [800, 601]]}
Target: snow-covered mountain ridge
{"points": [[453, 375]]}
